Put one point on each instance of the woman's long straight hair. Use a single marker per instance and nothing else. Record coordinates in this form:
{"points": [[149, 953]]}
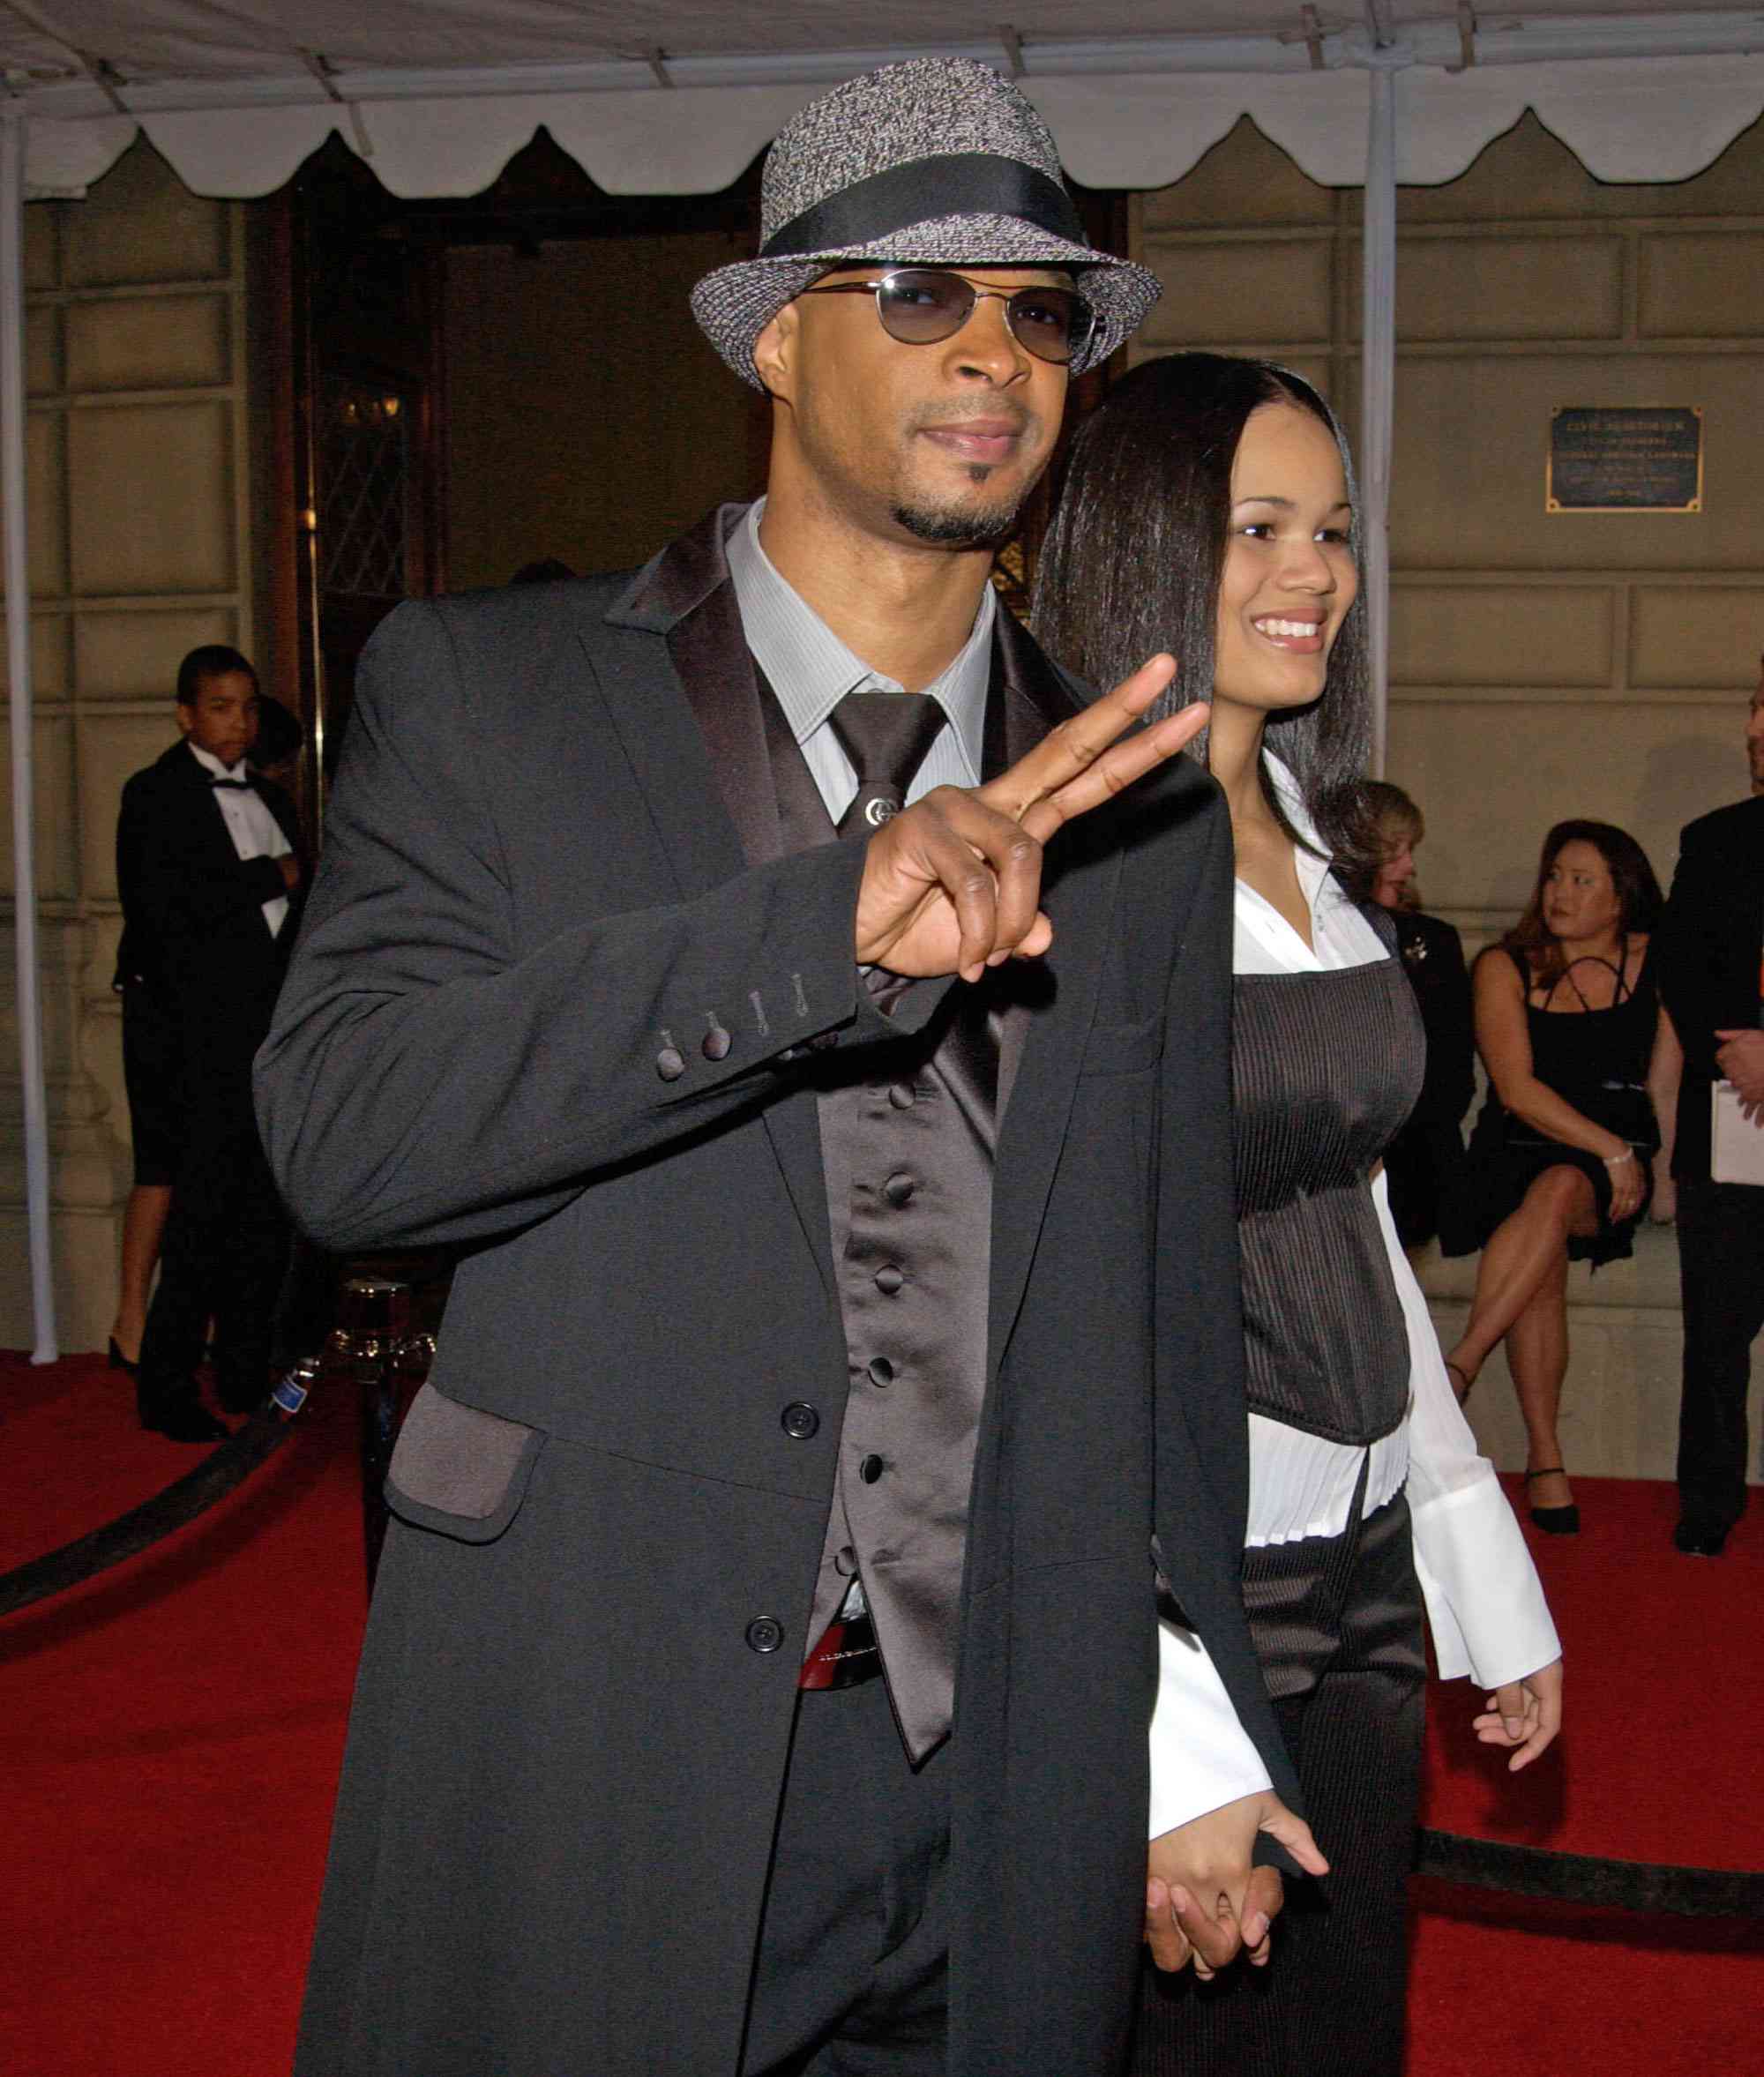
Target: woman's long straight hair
{"points": [[1132, 564]]}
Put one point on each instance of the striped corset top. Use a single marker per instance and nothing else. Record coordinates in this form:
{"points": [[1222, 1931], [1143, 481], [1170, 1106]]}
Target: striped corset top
{"points": [[1326, 1068]]}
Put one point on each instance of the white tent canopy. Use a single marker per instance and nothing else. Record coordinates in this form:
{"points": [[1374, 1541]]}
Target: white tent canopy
{"points": [[440, 94], [677, 97]]}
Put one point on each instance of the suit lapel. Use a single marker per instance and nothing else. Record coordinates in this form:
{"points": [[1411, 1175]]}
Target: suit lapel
{"points": [[708, 746], [1043, 1040]]}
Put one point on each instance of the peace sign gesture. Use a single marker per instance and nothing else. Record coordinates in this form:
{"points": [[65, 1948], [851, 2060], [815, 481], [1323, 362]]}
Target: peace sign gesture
{"points": [[952, 883]]}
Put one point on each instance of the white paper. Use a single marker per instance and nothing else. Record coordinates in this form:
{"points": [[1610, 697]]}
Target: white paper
{"points": [[1736, 1144]]}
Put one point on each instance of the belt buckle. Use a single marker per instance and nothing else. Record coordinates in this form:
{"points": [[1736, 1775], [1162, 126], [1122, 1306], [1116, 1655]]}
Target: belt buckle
{"points": [[847, 1655]]}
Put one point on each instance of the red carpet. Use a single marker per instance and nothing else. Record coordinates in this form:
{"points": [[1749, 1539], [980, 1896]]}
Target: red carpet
{"points": [[172, 1730]]}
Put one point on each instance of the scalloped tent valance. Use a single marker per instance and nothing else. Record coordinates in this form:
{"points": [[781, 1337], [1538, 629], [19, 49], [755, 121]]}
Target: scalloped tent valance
{"points": [[438, 94]]}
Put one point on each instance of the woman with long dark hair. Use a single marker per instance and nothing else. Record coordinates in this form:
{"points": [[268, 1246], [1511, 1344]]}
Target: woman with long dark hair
{"points": [[1209, 511], [1579, 1056]]}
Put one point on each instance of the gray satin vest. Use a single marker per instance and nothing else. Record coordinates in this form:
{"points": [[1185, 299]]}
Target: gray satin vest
{"points": [[907, 1143], [1324, 1070]]}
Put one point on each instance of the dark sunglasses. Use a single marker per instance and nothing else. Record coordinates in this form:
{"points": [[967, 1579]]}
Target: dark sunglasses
{"points": [[921, 305]]}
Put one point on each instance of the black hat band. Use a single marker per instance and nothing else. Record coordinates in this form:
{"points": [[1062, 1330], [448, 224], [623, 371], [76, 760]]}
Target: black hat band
{"points": [[951, 184]]}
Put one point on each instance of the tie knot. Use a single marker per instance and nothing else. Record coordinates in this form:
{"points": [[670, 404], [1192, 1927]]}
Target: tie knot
{"points": [[886, 735]]}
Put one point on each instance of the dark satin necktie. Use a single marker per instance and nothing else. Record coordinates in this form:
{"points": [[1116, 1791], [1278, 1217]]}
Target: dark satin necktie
{"points": [[886, 735], [233, 785]]}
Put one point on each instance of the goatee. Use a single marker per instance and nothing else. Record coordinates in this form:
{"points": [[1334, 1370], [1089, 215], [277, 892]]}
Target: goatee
{"points": [[959, 527]]}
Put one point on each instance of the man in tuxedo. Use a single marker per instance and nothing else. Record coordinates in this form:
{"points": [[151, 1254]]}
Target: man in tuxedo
{"points": [[845, 1364], [208, 869], [1711, 962]]}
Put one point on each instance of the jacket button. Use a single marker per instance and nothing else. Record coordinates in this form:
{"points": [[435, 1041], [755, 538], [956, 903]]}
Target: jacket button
{"points": [[898, 1189], [716, 1043], [881, 1370], [764, 1634], [799, 1420], [669, 1065], [889, 1280], [871, 1469]]}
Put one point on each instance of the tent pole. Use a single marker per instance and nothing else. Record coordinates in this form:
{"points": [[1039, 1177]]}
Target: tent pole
{"points": [[1377, 378], [18, 673]]}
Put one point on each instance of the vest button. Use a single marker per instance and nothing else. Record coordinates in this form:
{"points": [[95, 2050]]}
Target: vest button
{"points": [[900, 1095], [871, 1469], [889, 1280], [764, 1634], [799, 1420], [845, 1561], [881, 1370], [669, 1065], [898, 1189], [716, 1043]]}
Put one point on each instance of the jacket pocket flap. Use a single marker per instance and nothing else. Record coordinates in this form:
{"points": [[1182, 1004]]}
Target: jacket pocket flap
{"points": [[458, 1469]]}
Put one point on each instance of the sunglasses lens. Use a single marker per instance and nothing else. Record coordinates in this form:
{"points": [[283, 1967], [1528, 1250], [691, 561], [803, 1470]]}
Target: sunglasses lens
{"points": [[1052, 323], [919, 306]]}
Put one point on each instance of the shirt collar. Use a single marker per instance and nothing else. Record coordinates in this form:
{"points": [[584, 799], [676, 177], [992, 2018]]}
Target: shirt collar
{"points": [[213, 765], [811, 670]]}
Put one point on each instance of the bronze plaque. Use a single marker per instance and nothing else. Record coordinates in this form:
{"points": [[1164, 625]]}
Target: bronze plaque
{"points": [[1646, 457]]}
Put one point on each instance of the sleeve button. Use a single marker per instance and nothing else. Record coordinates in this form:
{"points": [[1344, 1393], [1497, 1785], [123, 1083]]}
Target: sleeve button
{"points": [[716, 1043], [669, 1064]]}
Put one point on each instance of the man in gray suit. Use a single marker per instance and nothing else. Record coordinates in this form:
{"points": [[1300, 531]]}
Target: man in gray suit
{"points": [[844, 1370]]}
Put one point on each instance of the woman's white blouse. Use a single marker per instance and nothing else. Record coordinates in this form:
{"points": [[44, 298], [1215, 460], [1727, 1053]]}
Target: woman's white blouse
{"points": [[1485, 1607]]}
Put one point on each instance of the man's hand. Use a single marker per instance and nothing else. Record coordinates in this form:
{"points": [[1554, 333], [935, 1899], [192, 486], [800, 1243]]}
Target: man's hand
{"points": [[1204, 1901], [1740, 1058], [1524, 1716], [952, 883]]}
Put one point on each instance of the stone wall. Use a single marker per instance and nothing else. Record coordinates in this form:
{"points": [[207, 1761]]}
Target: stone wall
{"points": [[140, 518]]}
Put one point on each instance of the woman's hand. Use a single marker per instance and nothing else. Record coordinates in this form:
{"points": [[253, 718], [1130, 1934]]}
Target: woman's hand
{"points": [[1524, 1716], [1627, 1185]]}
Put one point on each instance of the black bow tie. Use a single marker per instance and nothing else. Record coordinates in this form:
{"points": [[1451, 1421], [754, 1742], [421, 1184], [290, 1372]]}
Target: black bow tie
{"points": [[237, 785]]}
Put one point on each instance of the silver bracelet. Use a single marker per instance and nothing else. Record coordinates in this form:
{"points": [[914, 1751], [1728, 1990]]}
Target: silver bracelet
{"points": [[1618, 1160]]}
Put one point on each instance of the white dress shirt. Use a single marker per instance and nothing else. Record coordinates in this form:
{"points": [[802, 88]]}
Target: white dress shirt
{"points": [[1485, 1607], [255, 832]]}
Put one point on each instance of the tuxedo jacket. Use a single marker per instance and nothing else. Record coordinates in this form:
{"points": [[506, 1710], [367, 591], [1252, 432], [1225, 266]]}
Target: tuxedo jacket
{"points": [[552, 872], [193, 928], [1707, 956]]}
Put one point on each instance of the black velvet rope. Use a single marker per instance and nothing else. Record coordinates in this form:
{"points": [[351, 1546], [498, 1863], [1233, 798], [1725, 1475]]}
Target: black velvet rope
{"points": [[1590, 1879], [951, 184], [224, 1469]]}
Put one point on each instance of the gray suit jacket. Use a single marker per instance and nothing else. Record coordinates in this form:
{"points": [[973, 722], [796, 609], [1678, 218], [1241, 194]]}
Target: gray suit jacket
{"points": [[540, 889]]}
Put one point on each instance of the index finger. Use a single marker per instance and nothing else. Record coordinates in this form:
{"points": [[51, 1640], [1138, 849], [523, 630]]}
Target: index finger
{"points": [[1216, 1941], [1075, 745], [1115, 771]]}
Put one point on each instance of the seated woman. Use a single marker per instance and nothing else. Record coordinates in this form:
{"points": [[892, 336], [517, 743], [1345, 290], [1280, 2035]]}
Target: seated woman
{"points": [[1208, 513], [1578, 1051], [1421, 1165]]}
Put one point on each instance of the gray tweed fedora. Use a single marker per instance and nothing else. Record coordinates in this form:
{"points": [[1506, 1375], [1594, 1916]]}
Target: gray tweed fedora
{"points": [[936, 161]]}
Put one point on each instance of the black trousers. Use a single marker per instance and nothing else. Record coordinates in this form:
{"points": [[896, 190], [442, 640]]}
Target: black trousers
{"points": [[223, 1255], [851, 1978], [1337, 1625], [1721, 1270]]}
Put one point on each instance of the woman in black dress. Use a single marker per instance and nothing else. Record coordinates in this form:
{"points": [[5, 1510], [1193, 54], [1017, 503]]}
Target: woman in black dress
{"points": [[1570, 1029]]}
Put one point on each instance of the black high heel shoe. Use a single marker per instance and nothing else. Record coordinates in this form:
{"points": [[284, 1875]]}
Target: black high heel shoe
{"points": [[119, 1362], [1555, 1521]]}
